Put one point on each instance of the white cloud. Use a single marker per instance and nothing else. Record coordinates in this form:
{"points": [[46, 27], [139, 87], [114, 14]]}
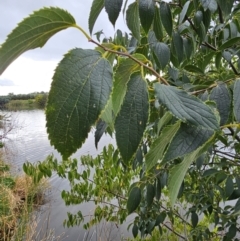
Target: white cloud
{"points": [[33, 70], [28, 76], [6, 82]]}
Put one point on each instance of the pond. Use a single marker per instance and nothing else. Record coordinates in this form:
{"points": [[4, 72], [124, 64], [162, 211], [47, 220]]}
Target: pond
{"points": [[28, 141]]}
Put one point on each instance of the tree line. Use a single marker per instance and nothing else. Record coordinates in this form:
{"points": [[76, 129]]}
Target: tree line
{"points": [[39, 97]]}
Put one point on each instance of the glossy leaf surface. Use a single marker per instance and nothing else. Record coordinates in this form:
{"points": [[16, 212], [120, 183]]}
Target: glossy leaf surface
{"points": [[178, 172], [146, 13], [166, 17], [113, 8], [134, 199], [220, 94], [81, 86], [158, 147], [125, 69], [187, 139], [96, 8], [132, 19], [132, 119], [33, 32], [186, 107]]}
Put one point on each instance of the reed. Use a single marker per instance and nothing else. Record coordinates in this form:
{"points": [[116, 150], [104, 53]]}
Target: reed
{"points": [[19, 199]]}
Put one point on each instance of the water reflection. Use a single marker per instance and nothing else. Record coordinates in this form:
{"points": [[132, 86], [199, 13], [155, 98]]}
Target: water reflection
{"points": [[29, 142]]}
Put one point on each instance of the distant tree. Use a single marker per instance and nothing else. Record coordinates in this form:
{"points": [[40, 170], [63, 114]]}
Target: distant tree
{"points": [[170, 93], [41, 100]]}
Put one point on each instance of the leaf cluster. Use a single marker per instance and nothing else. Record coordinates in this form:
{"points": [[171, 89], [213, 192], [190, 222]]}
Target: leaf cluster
{"points": [[169, 93]]}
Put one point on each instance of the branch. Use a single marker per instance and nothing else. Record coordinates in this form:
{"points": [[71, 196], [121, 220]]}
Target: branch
{"points": [[231, 64], [233, 134], [178, 215], [109, 191], [234, 69], [179, 235], [209, 46], [108, 203], [226, 154], [206, 43], [134, 59]]}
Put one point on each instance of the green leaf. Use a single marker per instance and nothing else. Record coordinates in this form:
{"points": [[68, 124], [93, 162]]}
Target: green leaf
{"points": [[232, 231], [227, 56], [187, 139], [124, 7], [125, 69], [177, 173], [146, 13], [132, 19], [150, 194], [186, 107], [194, 219], [210, 172], [135, 230], [226, 6], [209, 4], [80, 90], [150, 226], [98, 35], [201, 31], [159, 145], [163, 121], [230, 43], [188, 48], [157, 24], [96, 8], [113, 8], [237, 206], [33, 32], [229, 188], [207, 18], [233, 30], [132, 118], [166, 17], [183, 12], [221, 96], [100, 129], [107, 115], [158, 189], [160, 218], [178, 46], [236, 100], [218, 60], [162, 53], [194, 69], [198, 17], [134, 199]]}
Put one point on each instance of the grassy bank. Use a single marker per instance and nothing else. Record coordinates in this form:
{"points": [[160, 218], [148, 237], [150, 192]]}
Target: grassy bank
{"points": [[22, 105], [19, 198]]}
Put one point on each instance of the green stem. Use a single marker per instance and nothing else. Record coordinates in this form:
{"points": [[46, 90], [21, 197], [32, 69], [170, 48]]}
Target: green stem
{"points": [[84, 33], [134, 59], [231, 125], [123, 54]]}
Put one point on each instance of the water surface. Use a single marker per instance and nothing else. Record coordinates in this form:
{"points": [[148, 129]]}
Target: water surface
{"points": [[28, 141]]}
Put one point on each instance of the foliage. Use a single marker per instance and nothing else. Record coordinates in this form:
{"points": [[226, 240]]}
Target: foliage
{"points": [[41, 100], [21, 101], [19, 196], [169, 92]]}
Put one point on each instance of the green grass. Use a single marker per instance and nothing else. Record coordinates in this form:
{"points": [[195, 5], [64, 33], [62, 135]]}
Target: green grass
{"points": [[22, 105], [19, 197]]}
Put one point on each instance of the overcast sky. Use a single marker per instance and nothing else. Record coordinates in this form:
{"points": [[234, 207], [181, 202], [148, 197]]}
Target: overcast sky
{"points": [[33, 70]]}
